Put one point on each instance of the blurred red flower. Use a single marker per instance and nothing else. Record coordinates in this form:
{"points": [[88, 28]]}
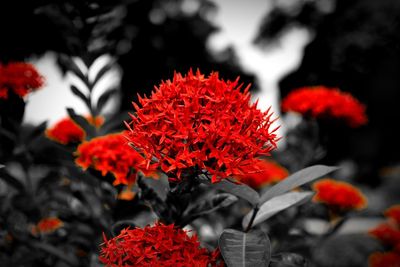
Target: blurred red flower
{"points": [[158, 245], [20, 78], [340, 196], [387, 233], [111, 153], [47, 225], [322, 103], [194, 123], [386, 259], [394, 213], [268, 172], [66, 131]]}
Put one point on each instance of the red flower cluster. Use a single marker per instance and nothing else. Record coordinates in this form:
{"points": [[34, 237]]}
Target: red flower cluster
{"points": [[20, 78], [321, 103], [111, 153], [47, 225], [339, 196], [269, 172], [389, 232], [394, 213], [386, 259], [66, 131], [194, 123], [159, 245]]}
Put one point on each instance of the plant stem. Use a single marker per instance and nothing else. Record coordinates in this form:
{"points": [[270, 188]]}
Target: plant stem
{"points": [[253, 216]]}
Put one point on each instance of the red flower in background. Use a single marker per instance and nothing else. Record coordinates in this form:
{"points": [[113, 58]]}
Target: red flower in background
{"points": [[20, 78], [340, 196], [321, 103], [194, 123], [269, 172], [66, 131], [158, 245], [394, 213], [387, 259], [111, 153], [388, 234], [47, 225]]}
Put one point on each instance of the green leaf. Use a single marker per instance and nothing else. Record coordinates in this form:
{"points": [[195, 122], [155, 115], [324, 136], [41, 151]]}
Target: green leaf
{"points": [[104, 98], [275, 205], [103, 71], [159, 185], [297, 179], [288, 259], [241, 249], [81, 95], [10, 180], [240, 190], [208, 206], [115, 122], [119, 225], [71, 66], [82, 122]]}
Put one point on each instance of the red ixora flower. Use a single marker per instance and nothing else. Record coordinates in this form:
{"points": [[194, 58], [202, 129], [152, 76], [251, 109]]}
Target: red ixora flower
{"points": [[195, 123], [269, 172], [158, 245], [322, 103], [47, 225], [20, 78], [111, 153], [386, 259], [66, 131], [340, 196], [389, 232], [393, 213]]}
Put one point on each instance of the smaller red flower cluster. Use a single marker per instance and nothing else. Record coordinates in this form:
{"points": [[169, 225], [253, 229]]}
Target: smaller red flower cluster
{"points": [[111, 153], [393, 213], [47, 225], [389, 232], [193, 124], [65, 132], [20, 78], [324, 103], [269, 172], [339, 196], [158, 245], [386, 259]]}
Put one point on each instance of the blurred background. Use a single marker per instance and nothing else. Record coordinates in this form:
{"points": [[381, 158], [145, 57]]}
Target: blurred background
{"points": [[276, 45]]}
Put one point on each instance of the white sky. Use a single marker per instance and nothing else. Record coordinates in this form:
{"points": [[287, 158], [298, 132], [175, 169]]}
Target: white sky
{"points": [[239, 21]]}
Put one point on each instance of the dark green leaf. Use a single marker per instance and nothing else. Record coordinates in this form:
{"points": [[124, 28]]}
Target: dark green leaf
{"points": [[104, 98], [241, 249], [10, 180], [159, 185], [70, 65], [118, 226], [240, 190], [275, 205], [297, 179], [103, 71], [208, 206], [81, 95], [69, 258], [82, 122], [288, 260], [115, 122]]}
